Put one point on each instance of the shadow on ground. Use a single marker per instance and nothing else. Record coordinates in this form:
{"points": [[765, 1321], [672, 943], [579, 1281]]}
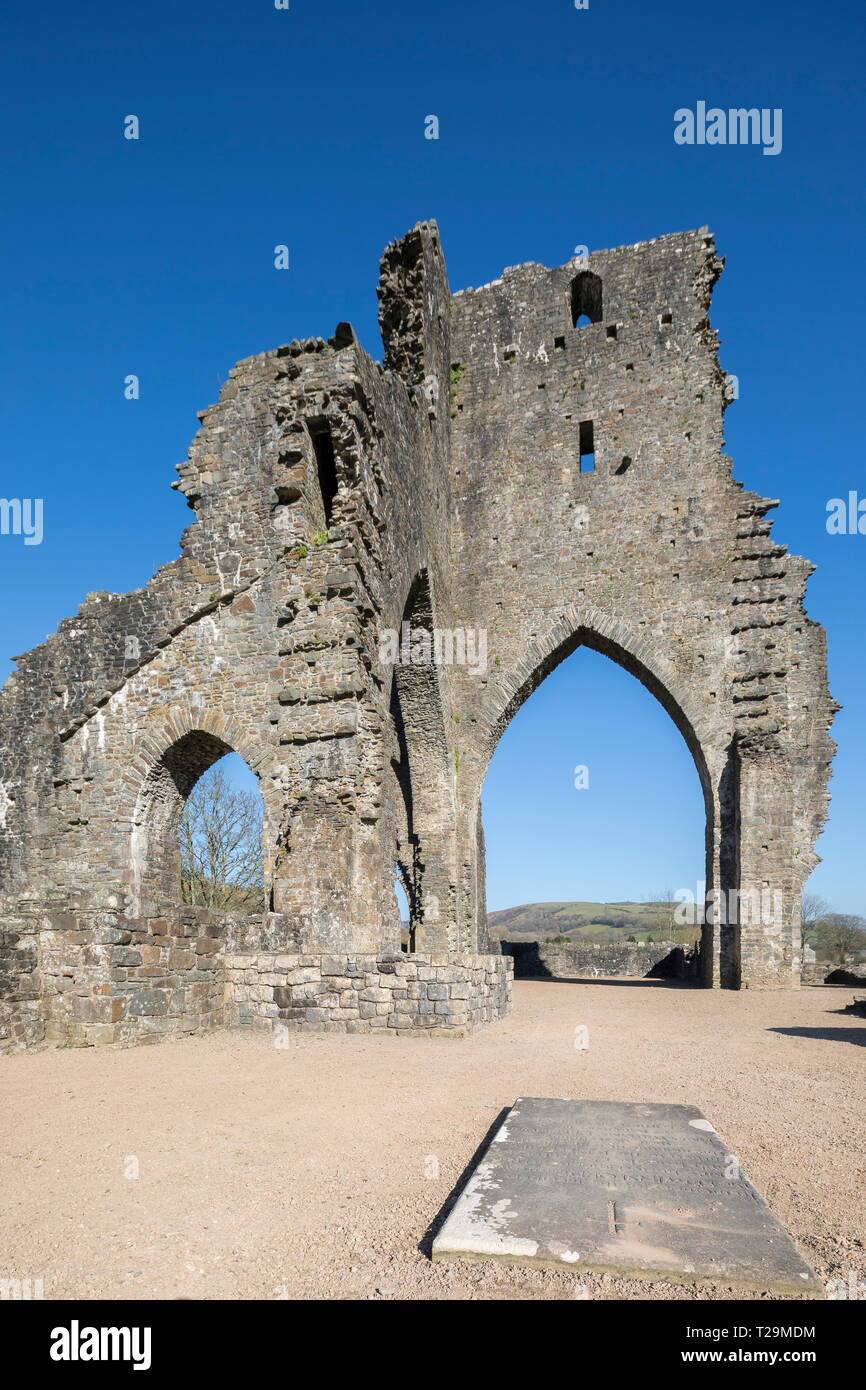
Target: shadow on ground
{"points": [[425, 1244], [857, 1036], [617, 980]]}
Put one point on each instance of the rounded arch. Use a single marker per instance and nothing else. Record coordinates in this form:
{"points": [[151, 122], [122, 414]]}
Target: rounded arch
{"points": [[586, 297], [166, 767]]}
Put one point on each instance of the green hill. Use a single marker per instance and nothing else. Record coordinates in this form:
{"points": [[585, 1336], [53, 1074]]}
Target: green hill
{"points": [[598, 921]]}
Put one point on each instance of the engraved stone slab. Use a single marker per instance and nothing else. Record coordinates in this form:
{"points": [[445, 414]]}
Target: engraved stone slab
{"points": [[646, 1190]]}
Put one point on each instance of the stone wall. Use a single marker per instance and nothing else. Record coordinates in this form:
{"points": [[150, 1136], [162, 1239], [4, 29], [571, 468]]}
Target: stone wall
{"points": [[402, 993], [600, 960], [809, 969], [336, 499], [647, 550], [108, 978], [80, 979], [21, 1021]]}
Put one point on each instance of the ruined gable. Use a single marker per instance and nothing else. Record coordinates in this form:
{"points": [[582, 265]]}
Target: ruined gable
{"points": [[539, 461]]}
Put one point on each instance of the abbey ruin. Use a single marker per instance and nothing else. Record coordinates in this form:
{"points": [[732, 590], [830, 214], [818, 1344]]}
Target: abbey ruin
{"points": [[537, 464]]}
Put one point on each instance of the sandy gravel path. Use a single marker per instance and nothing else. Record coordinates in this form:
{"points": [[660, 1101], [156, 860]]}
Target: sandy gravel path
{"points": [[315, 1170]]}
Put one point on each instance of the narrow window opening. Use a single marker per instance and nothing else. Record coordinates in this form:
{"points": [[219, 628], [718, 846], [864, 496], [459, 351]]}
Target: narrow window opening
{"points": [[611, 330], [587, 447], [326, 464], [407, 931], [623, 467], [559, 342], [666, 317]]}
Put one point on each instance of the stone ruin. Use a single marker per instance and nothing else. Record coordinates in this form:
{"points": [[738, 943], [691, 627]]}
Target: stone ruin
{"points": [[386, 560]]}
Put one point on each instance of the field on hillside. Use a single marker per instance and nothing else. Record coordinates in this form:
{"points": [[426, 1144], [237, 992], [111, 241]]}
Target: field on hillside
{"points": [[598, 921]]}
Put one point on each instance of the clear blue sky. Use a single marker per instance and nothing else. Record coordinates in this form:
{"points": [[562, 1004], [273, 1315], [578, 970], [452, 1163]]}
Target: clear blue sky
{"points": [[306, 127]]}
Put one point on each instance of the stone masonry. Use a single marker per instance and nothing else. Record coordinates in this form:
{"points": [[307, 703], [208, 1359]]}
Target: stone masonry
{"points": [[401, 993], [339, 502], [599, 960]]}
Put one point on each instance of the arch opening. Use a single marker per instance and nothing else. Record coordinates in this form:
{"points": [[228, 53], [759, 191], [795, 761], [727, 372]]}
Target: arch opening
{"points": [[198, 833], [603, 830], [221, 839], [586, 299]]}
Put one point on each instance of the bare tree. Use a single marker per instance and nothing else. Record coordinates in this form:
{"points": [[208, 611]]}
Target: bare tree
{"points": [[814, 912], [221, 846], [666, 903]]}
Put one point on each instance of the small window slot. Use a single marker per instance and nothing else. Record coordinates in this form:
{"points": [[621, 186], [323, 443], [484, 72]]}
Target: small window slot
{"points": [[587, 447], [326, 463]]}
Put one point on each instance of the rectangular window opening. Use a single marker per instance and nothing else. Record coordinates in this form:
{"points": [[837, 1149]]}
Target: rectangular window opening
{"points": [[587, 447], [326, 463]]}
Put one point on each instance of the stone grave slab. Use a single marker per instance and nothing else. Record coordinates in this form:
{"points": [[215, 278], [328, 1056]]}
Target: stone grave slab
{"points": [[641, 1190]]}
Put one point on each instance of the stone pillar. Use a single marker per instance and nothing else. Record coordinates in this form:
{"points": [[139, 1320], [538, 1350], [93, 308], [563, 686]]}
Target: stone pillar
{"points": [[330, 879], [767, 907], [433, 906]]}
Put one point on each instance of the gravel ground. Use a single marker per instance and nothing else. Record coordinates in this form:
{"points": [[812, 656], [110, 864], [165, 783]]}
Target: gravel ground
{"points": [[317, 1170]]}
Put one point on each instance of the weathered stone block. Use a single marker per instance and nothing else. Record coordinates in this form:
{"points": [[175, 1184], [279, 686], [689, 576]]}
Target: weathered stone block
{"points": [[148, 1002]]}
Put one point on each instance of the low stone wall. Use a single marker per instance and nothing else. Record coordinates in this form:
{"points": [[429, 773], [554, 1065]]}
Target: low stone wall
{"points": [[599, 959], [402, 993], [108, 978], [87, 978]]}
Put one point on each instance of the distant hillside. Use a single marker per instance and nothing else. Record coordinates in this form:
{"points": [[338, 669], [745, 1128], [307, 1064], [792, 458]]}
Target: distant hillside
{"points": [[601, 921]]}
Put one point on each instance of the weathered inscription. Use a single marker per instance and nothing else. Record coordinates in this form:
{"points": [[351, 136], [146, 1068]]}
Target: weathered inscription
{"points": [[603, 1185]]}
